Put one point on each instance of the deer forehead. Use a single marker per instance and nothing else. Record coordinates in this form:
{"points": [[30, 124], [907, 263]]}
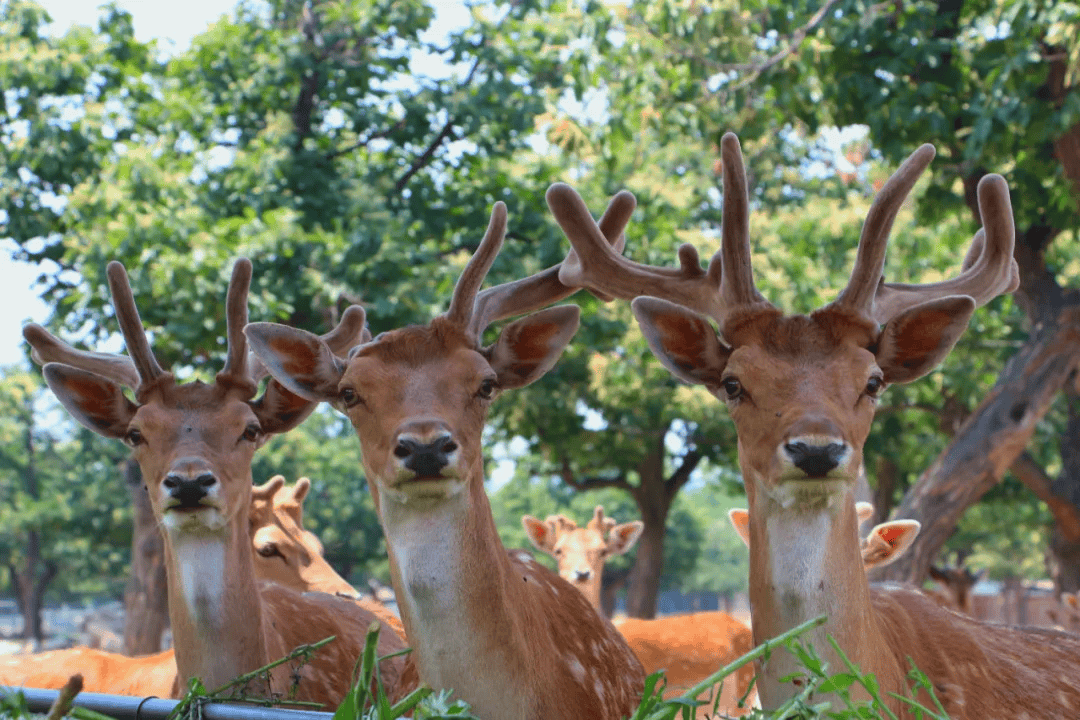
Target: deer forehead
{"points": [[402, 383], [195, 410], [581, 540]]}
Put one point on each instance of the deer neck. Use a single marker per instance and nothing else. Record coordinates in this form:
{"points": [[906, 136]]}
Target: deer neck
{"points": [[805, 562], [449, 571], [214, 604]]}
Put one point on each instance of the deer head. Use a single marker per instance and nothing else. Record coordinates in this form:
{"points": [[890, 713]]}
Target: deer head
{"points": [[582, 552]]}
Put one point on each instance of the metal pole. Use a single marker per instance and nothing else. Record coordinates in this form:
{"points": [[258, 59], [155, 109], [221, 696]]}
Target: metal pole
{"points": [[125, 707]]}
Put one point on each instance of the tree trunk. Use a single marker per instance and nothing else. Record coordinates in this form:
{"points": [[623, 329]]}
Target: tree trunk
{"points": [[1064, 550], [654, 502], [644, 587], [30, 586], [146, 599], [988, 442], [613, 581]]}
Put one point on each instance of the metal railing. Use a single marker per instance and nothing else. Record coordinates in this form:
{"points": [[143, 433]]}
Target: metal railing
{"points": [[124, 707]]}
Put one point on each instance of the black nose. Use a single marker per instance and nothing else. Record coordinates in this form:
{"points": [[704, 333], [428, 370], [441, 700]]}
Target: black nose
{"points": [[189, 490], [815, 460], [582, 575], [426, 460]]}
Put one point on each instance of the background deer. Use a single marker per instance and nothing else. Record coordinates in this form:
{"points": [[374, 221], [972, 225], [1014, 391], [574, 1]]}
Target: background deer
{"points": [[581, 552], [688, 647], [194, 444], [801, 391], [509, 636], [295, 561]]}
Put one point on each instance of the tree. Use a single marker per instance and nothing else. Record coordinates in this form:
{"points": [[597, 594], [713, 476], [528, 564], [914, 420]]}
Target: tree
{"points": [[997, 87], [58, 522]]}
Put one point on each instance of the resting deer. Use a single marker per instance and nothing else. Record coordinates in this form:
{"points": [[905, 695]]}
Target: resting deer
{"points": [[194, 444], [801, 391], [688, 647], [956, 584], [286, 553], [506, 634]]}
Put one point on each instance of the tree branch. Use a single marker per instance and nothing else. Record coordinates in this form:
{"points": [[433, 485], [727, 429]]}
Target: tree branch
{"points": [[681, 476], [305, 102], [447, 131], [1034, 477], [367, 140], [594, 482]]}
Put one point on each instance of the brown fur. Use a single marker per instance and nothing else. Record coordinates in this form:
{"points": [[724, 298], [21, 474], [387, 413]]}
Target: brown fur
{"points": [[690, 648], [976, 667]]}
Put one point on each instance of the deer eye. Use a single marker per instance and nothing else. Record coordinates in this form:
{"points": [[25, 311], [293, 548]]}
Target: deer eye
{"points": [[732, 387], [134, 438], [251, 433], [488, 388], [270, 550], [875, 385], [350, 398]]}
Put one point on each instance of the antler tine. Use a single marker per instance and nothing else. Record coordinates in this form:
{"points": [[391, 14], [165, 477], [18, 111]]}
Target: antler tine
{"points": [[131, 326], [47, 348], [597, 521], [989, 268], [544, 288], [468, 285], [600, 269], [736, 280], [859, 293], [560, 523], [236, 318]]}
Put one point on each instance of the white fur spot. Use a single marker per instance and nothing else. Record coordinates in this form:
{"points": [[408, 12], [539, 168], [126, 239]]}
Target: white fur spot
{"points": [[577, 669]]}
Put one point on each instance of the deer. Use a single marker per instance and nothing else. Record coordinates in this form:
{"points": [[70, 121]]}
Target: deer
{"points": [[506, 634], [688, 647], [955, 584], [285, 553], [581, 552], [194, 443], [801, 391]]}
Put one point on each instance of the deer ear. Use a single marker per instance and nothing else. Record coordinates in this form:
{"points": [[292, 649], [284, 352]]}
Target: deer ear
{"points": [[888, 541], [682, 341], [541, 534], [529, 347], [280, 410], [740, 520], [302, 362], [96, 402], [914, 342], [623, 537]]}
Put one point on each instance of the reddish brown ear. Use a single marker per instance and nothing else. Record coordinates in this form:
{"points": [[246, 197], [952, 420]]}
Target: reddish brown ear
{"points": [[740, 520], [279, 410], [94, 401], [529, 347], [682, 340], [914, 342], [625, 536], [302, 362], [888, 541], [541, 534]]}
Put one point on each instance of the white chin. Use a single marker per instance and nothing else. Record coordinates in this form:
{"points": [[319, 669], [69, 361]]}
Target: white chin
{"points": [[427, 489], [193, 521]]}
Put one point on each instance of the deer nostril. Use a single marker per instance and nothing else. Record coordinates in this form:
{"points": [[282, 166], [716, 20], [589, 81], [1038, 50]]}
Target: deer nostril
{"points": [[206, 480], [402, 451], [172, 482], [449, 446]]}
